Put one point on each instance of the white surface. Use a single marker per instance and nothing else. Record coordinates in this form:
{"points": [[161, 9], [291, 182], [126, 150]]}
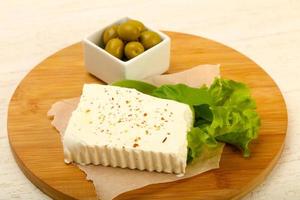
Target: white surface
{"points": [[123, 127], [266, 31], [108, 68]]}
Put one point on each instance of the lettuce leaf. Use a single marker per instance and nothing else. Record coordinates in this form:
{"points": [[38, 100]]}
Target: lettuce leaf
{"points": [[203, 115], [143, 87], [199, 140], [229, 92], [184, 94], [224, 112], [235, 120]]}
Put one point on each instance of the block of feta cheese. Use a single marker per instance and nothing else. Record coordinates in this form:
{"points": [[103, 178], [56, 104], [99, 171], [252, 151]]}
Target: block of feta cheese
{"points": [[122, 127]]}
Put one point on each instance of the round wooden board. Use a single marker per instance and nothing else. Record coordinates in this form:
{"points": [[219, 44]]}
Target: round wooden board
{"points": [[38, 150]]}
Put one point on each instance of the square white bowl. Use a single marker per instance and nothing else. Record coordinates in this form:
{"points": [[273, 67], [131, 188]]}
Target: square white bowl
{"points": [[153, 61]]}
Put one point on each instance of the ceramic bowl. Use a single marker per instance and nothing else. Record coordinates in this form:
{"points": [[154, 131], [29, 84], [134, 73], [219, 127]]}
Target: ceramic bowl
{"points": [[108, 68]]}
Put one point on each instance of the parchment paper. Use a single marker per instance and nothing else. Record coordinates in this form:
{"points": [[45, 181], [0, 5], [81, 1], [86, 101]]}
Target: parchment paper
{"points": [[110, 182], [194, 77]]}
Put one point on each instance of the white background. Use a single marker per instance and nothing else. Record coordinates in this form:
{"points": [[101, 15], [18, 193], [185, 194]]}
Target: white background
{"points": [[267, 31]]}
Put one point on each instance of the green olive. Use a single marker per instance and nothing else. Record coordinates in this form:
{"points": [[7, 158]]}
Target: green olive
{"points": [[110, 33], [115, 47], [133, 49], [138, 24], [128, 31], [149, 39]]}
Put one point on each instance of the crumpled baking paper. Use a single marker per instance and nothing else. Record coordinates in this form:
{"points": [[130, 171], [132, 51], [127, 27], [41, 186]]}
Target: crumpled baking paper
{"points": [[110, 182], [194, 77]]}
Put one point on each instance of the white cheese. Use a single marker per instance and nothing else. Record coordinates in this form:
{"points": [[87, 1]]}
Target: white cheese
{"points": [[121, 127]]}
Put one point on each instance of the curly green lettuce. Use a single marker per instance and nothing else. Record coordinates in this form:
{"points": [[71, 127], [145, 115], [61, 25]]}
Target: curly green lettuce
{"points": [[224, 112], [235, 119]]}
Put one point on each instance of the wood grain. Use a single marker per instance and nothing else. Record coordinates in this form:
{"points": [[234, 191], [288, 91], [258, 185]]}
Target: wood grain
{"points": [[38, 151]]}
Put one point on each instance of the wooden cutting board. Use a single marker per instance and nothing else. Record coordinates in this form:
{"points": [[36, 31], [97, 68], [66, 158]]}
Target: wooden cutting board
{"points": [[38, 150]]}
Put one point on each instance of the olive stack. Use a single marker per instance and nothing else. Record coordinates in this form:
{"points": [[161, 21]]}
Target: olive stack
{"points": [[128, 39]]}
